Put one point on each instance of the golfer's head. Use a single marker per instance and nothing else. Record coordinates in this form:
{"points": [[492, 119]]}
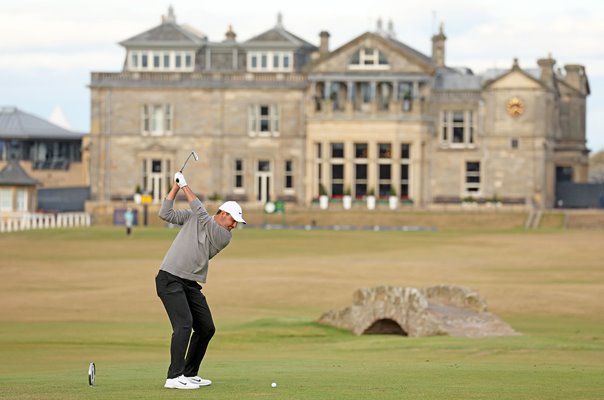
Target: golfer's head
{"points": [[229, 215]]}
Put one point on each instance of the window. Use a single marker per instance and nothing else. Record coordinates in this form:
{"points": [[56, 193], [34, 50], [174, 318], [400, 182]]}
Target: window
{"points": [[238, 174], [264, 120], [384, 150], [21, 200], [514, 143], [360, 169], [161, 60], [157, 119], [368, 58], [472, 177], [360, 150], [360, 180], [384, 169], [337, 169], [289, 174], [404, 183], [337, 150], [337, 179], [457, 128], [270, 61], [6, 199]]}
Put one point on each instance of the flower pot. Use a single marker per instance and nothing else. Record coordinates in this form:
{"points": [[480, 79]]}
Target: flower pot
{"points": [[347, 202], [323, 202], [371, 202], [393, 202]]}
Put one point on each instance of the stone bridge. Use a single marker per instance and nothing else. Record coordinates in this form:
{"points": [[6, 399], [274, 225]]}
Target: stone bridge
{"points": [[437, 310]]}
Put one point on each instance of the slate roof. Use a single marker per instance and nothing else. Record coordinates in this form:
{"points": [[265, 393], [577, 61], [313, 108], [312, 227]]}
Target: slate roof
{"points": [[279, 36], [13, 174], [16, 124], [407, 49], [167, 34]]}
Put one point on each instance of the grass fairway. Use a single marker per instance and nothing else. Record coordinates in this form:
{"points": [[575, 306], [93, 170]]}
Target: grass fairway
{"points": [[69, 297]]}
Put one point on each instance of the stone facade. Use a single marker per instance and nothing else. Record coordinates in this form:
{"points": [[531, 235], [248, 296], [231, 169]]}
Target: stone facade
{"points": [[276, 117]]}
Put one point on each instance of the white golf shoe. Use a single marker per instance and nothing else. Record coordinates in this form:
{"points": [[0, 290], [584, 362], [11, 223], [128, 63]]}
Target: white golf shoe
{"points": [[180, 383], [197, 380]]}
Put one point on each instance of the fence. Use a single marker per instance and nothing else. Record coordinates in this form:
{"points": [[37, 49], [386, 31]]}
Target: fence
{"points": [[44, 221]]}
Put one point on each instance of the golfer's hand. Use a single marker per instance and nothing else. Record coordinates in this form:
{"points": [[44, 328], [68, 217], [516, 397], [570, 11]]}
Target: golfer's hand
{"points": [[179, 178]]}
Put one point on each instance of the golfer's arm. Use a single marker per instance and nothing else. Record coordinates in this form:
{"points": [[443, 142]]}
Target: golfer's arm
{"points": [[173, 192], [189, 193]]}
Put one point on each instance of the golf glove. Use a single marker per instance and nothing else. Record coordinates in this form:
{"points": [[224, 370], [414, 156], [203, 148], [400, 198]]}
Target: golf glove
{"points": [[180, 180]]}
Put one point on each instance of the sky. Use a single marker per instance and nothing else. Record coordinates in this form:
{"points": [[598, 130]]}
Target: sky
{"points": [[49, 48]]}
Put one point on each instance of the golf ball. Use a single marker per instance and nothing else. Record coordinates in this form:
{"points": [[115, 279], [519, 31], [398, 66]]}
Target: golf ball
{"points": [[273, 384]]}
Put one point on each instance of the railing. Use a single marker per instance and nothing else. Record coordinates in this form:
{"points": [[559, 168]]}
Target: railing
{"points": [[44, 221]]}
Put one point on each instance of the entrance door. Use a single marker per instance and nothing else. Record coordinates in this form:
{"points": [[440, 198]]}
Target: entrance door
{"points": [[156, 182], [264, 177]]}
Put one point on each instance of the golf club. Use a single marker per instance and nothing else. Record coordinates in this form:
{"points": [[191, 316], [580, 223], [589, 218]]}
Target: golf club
{"points": [[195, 156]]}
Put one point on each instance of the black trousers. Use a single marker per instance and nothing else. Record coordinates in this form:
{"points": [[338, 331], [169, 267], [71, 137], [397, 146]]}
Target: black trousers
{"points": [[189, 312]]}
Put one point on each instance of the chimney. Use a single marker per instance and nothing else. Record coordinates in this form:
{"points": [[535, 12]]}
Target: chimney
{"points": [[576, 77], [170, 17], [547, 70], [438, 47], [391, 33], [230, 35], [324, 46]]}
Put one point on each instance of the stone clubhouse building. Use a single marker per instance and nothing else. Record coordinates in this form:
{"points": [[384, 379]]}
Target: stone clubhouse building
{"points": [[276, 117]]}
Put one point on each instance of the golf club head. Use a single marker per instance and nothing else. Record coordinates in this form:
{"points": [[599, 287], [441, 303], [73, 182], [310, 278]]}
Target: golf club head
{"points": [[195, 156]]}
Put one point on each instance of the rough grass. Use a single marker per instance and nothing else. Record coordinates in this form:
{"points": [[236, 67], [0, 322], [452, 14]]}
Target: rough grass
{"points": [[68, 297]]}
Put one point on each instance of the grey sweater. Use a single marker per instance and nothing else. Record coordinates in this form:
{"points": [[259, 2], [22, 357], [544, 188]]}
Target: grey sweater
{"points": [[199, 239]]}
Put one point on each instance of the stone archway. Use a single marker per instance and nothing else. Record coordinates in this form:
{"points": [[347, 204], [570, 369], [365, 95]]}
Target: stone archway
{"points": [[385, 326], [437, 310]]}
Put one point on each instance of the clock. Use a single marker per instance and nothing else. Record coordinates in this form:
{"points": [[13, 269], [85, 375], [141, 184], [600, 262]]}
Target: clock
{"points": [[515, 107]]}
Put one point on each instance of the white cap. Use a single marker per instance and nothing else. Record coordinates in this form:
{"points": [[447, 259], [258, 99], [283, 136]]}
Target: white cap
{"points": [[233, 209]]}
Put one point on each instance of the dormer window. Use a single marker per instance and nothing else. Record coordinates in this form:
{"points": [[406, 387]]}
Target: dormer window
{"points": [[161, 60], [368, 58], [269, 61]]}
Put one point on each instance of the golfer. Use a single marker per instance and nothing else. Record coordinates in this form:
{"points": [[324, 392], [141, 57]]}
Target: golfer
{"points": [[201, 237]]}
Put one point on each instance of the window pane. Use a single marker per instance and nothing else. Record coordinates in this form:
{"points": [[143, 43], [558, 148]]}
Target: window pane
{"points": [[405, 151], [385, 171], [360, 171], [318, 150], [288, 166], [134, 60], [254, 61], [188, 61], [263, 61], [457, 135], [276, 61], [337, 150], [264, 165], [285, 61], [360, 150], [144, 61], [156, 165], [166, 60], [156, 61], [384, 150], [473, 166], [6, 200], [404, 171], [178, 61], [337, 171]]}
